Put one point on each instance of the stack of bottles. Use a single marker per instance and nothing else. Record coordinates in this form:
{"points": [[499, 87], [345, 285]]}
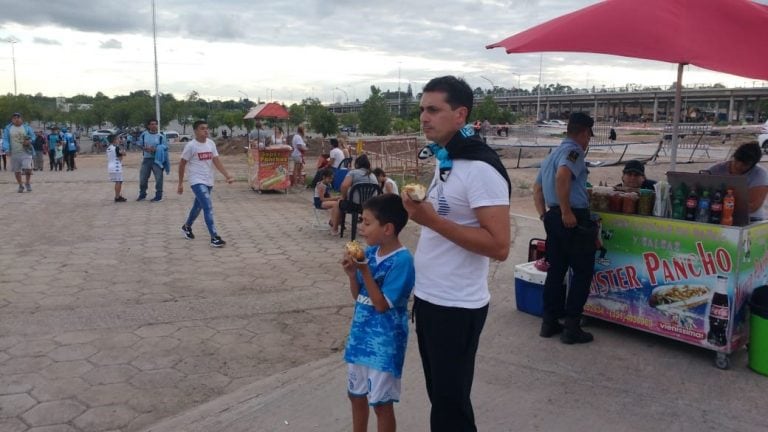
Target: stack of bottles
{"points": [[703, 205]]}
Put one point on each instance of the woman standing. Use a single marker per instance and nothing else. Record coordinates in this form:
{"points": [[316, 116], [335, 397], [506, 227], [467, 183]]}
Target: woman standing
{"points": [[299, 148]]}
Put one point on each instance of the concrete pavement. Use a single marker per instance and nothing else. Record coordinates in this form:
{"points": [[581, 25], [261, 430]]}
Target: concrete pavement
{"points": [[110, 320]]}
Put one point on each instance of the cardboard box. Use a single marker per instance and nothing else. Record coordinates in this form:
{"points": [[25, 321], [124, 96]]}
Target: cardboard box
{"points": [[529, 288]]}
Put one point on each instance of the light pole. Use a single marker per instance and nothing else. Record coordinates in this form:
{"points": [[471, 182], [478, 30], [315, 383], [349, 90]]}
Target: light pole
{"points": [[493, 86], [11, 40], [345, 93], [157, 85], [244, 94], [518, 79]]}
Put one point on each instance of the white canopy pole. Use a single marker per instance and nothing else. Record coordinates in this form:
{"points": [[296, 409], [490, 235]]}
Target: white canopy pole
{"points": [[676, 118]]}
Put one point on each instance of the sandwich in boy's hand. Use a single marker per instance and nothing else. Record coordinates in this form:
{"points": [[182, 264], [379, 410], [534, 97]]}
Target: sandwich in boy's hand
{"points": [[355, 250], [415, 191]]}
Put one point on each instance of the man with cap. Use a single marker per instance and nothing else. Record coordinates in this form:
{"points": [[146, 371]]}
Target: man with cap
{"points": [[17, 142], [633, 176], [560, 197]]}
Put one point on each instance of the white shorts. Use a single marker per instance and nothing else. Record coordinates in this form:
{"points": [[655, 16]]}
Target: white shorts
{"points": [[116, 177], [20, 163], [297, 159], [381, 387]]}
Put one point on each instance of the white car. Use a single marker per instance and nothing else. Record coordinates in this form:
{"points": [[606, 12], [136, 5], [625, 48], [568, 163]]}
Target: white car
{"points": [[173, 136], [102, 133], [558, 123], [762, 138]]}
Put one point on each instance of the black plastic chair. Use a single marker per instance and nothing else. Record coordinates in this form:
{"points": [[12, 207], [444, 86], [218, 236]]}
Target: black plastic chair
{"points": [[345, 163], [357, 196]]}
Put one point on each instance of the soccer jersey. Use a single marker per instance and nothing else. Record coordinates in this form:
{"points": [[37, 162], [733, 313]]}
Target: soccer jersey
{"points": [[378, 339], [114, 165]]}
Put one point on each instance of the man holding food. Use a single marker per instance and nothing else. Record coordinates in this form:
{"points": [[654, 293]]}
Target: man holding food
{"points": [[465, 222]]}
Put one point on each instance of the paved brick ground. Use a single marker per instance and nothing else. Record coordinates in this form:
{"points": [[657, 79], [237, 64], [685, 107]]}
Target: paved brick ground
{"points": [[110, 320]]}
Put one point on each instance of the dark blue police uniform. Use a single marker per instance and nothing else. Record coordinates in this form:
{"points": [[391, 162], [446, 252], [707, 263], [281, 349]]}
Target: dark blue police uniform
{"points": [[567, 247]]}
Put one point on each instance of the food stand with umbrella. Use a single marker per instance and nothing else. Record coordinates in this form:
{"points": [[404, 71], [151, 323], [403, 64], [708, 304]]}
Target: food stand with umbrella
{"points": [[269, 165], [685, 280]]}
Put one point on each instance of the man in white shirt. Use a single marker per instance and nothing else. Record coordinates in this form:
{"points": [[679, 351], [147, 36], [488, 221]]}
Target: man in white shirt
{"points": [[465, 223], [200, 156], [336, 154]]}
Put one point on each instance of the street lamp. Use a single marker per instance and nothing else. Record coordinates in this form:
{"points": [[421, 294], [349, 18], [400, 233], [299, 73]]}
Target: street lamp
{"points": [[244, 94], [157, 85], [518, 79], [11, 40], [345, 93], [493, 86]]}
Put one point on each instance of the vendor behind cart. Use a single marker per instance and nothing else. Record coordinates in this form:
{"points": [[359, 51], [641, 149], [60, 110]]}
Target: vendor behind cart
{"points": [[633, 176], [745, 162], [261, 137]]}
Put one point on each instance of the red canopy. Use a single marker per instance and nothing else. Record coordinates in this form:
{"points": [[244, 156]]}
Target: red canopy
{"points": [[267, 110], [721, 35]]}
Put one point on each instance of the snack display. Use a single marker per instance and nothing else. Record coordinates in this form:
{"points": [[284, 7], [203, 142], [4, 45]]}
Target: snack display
{"points": [[415, 191], [355, 250], [679, 295]]}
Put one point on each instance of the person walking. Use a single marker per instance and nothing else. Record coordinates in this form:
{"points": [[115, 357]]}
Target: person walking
{"points": [[200, 155], [53, 139], [465, 224], [148, 141], [560, 197], [40, 147], [17, 142]]}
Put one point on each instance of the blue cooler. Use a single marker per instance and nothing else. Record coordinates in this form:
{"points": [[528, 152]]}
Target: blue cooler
{"points": [[529, 288]]}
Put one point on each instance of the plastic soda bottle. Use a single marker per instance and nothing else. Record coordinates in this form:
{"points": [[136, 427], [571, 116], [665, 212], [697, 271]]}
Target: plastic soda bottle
{"points": [[729, 204], [719, 314], [678, 205], [691, 205], [716, 207], [704, 207]]}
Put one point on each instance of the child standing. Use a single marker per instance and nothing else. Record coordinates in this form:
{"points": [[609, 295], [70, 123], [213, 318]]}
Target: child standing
{"points": [[378, 336], [115, 166], [201, 156], [59, 162]]}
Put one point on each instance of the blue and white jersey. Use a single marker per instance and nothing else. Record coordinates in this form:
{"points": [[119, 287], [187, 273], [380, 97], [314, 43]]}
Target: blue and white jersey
{"points": [[378, 339]]}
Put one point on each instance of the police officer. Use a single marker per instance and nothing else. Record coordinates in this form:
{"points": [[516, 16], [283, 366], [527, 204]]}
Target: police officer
{"points": [[560, 196]]}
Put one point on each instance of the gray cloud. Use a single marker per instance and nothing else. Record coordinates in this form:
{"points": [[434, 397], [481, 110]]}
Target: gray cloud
{"points": [[44, 41], [111, 44]]}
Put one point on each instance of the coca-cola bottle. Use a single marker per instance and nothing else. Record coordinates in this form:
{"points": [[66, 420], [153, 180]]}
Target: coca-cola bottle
{"points": [[719, 314], [716, 208], [691, 205]]}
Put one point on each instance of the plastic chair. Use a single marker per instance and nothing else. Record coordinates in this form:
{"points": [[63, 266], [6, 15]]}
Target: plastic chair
{"points": [[358, 195], [321, 219]]}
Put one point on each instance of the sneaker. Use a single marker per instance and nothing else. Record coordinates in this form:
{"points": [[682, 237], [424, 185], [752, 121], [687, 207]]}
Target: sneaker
{"points": [[549, 329], [187, 231], [120, 199], [573, 334], [29, 187], [217, 242], [21, 189], [141, 197], [156, 199]]}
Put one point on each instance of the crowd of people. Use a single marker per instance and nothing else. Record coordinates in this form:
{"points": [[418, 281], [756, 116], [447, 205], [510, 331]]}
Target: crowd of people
{"points": [[464, 221]]}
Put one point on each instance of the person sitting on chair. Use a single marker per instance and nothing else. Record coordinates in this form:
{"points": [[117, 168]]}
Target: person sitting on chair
{"points": [[361, 174]]}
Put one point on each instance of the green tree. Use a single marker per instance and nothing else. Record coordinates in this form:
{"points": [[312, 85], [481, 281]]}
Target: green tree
{"points": [[375, 116], [487, 110], [349, 119], [297, 114], [324, 122]]}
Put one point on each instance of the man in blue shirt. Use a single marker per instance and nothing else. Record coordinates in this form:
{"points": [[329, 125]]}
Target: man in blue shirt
{"points": [[561, 188], [148, 141]]}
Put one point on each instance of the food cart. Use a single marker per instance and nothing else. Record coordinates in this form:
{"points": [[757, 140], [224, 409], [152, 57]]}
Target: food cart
{"points": [[269, 165], [689, 281], [269, 168]]}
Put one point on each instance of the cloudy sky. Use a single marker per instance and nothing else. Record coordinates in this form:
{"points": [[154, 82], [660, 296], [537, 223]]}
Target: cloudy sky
{"points": [[288, 50]]}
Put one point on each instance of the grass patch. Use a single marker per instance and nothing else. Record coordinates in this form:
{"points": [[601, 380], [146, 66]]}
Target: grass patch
{"points": [[643, 133]]}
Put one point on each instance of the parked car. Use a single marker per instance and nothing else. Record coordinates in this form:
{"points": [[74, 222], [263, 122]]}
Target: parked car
{"points": [[762, 137], [102, 133], [173, 136], [348, 128]]}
